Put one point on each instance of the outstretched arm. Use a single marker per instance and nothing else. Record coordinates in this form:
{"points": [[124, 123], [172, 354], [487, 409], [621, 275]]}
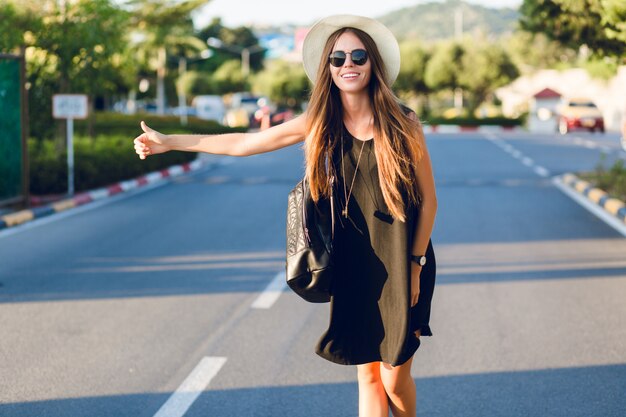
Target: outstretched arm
{"points": [[152, 142]]}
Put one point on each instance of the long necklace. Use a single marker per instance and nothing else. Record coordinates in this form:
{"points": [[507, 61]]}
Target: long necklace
{"points": [[347, 194]]}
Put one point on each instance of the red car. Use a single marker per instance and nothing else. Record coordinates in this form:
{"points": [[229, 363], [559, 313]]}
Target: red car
{"points": [[579, 114]]}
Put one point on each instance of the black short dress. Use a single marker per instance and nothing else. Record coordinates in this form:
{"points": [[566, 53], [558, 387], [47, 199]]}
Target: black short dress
{"points": [[371, 318]]}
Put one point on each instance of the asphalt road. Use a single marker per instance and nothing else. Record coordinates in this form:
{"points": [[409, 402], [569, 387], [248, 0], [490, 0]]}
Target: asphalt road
{"points": [[150, 302]]}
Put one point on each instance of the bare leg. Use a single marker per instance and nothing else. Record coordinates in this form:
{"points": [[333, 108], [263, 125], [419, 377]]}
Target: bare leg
{"points": [[372, 396], [400, 387]]}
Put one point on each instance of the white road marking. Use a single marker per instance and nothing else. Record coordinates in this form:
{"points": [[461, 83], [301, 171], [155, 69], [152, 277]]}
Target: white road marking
{"points": [[180, 401], [511, 183], [271, 293], [590, 145], [475, 182], [609, 219], [542, 171]]}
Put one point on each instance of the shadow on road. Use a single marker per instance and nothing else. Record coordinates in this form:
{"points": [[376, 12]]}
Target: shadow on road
{"points": [[590, 391]]}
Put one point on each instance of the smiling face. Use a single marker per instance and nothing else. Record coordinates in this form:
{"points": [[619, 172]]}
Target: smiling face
{"points": [[349, 77]]}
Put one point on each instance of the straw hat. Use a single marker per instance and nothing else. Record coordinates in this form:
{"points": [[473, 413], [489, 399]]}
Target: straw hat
{"points": [[320, 32]]}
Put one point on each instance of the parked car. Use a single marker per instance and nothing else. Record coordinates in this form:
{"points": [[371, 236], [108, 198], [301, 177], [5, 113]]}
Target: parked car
{"points": [[579, 114], [248, 101], [238, 117], [251, 104], [209, 107]]}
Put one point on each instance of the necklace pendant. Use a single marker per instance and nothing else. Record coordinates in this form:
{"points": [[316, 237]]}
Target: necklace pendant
{"points": [[345, 212]]}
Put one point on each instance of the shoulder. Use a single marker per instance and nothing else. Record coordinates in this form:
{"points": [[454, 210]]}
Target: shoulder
{"points": [[408, 111]]}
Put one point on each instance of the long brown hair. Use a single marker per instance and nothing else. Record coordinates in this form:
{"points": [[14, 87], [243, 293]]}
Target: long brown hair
{"points": [[399, 139]]}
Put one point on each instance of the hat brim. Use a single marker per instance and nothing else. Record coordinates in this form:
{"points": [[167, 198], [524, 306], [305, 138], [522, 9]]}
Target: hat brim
{"points": [[317, 37]]}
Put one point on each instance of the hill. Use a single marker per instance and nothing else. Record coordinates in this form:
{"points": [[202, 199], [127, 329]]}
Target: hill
{"points": [[436, 20]]}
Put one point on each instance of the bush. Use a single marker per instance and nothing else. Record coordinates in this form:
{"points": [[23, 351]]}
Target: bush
{"points": [[108, 123], [474, 121], [109, 157], [611, 180], [97, 163]]}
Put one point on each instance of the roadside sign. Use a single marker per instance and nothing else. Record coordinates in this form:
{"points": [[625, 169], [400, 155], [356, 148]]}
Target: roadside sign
{"points": [[69, 106]]}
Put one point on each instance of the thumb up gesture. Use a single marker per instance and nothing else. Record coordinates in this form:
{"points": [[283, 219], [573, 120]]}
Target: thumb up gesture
{"points": [[150, 142]]}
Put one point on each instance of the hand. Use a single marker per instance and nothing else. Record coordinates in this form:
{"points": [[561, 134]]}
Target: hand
{"points": [[416, 270], [150, 142]]}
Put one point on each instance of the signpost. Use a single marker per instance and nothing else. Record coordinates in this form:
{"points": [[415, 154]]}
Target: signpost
{"points": [[70, 107]]}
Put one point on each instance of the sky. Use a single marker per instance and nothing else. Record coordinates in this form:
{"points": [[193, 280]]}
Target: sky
{"points": [[244, 12]]}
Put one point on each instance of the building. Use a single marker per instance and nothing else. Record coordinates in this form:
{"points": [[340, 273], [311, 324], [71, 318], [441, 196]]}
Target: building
{"points": [[608, 95], [542, 111]]}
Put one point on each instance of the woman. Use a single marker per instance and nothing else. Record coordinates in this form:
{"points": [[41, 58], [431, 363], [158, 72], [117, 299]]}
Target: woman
{"points": [[381, 299]]}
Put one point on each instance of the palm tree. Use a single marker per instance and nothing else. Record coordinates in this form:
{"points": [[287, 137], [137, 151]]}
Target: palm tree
{"points": [[164, 26]]}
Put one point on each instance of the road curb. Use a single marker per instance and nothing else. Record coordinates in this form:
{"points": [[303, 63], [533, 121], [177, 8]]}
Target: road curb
{"points": [[23, 216], [611, 205]]}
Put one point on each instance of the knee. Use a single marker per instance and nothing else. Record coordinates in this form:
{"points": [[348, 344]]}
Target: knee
{"points": [[368, 374]]}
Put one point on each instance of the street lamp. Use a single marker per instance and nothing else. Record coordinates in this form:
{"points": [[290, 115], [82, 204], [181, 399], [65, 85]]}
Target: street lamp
{"points": [[245, 53]]}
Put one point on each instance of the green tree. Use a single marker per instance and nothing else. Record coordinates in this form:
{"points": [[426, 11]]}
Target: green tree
{"points": [[162, 27], [83, 40], [82, 37], [194, 83], [69, 47], [286, 84], [485, 68], [228, 78], [532, 51], [598, 24], [411, 79], [19, 24], [241, 37], [477, 68], [445, 67]]}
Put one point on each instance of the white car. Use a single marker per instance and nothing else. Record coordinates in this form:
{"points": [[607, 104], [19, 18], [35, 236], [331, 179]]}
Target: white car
{"points": [[209, 107]]}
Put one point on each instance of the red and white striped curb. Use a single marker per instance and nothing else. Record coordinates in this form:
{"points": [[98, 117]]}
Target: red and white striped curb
{"points": [[23, 216]]}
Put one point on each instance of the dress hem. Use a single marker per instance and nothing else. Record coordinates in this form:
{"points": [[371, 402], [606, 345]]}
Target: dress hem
{"points": [[335, 359]]}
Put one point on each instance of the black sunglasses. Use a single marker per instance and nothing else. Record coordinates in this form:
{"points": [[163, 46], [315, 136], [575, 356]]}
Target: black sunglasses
{"points": [[338, 58]]}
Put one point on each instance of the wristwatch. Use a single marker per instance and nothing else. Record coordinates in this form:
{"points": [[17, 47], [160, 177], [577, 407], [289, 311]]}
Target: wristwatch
{"points": [[420, 260]]}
